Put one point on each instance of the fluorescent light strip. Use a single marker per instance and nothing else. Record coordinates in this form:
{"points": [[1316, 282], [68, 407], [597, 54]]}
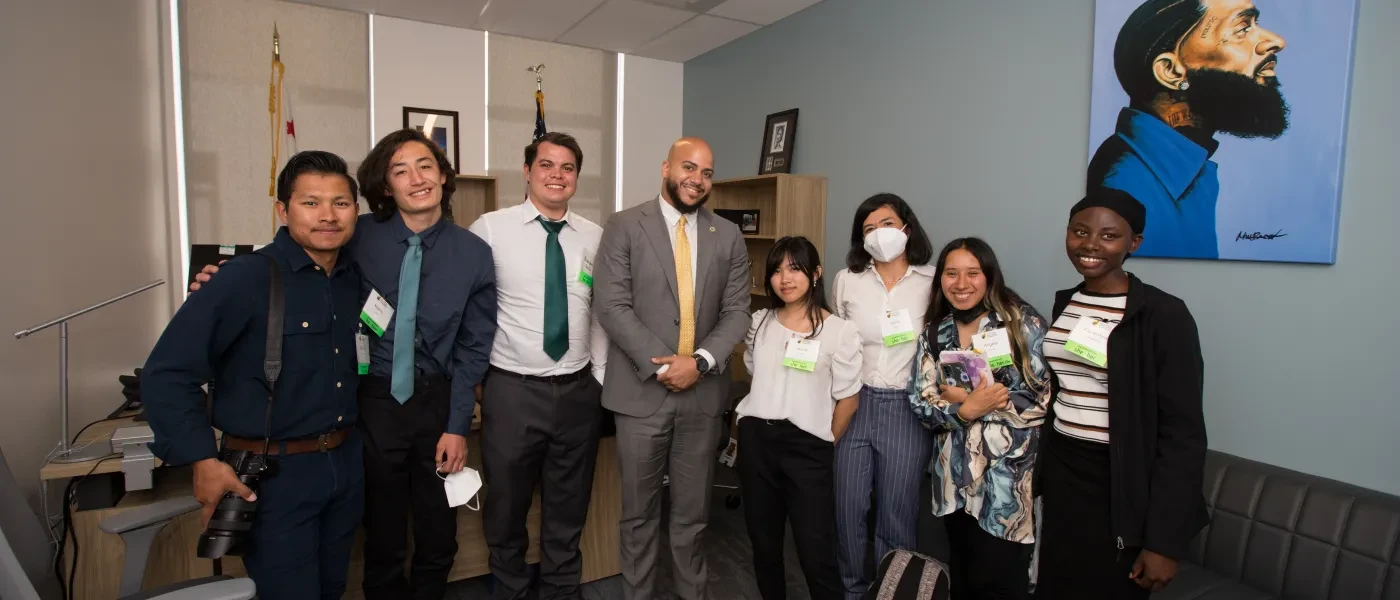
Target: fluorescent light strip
{"points": [[486, 100], [618, 159], [181, 200], [371, 81]]}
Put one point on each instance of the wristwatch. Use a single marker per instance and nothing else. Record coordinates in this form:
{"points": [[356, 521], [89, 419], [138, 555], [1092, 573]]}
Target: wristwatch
{"points": [[701, 364]]}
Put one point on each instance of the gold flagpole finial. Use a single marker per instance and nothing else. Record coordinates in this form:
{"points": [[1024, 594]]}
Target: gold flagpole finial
{"points": [[276, 43], [538, 70]]}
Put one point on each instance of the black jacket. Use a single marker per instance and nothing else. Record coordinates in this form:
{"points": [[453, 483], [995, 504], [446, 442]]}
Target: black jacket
{"points": [[1157, 432]]}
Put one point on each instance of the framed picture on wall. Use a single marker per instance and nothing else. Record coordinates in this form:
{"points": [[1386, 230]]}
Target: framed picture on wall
{"points": [[440, 126], [779, 137]]}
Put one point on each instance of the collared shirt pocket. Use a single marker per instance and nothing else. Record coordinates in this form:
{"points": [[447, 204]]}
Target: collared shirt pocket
{"points": [[307, 343]]}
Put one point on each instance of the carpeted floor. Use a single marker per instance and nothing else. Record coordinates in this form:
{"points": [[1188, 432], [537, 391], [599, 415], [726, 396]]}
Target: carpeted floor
{"points": [[727, 547]]}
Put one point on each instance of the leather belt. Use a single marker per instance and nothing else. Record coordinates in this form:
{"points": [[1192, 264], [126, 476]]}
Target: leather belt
{"points": [[586, 371], [321, 443]]}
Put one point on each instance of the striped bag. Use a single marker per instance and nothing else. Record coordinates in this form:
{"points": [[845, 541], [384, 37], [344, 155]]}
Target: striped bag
{"points": [[905, 575]]}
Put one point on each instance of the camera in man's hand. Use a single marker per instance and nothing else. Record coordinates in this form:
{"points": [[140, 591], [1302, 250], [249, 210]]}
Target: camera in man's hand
{"points": [[227, 532]]}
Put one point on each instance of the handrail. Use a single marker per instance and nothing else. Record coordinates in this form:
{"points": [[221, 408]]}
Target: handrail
{"points": [[37, 328]]}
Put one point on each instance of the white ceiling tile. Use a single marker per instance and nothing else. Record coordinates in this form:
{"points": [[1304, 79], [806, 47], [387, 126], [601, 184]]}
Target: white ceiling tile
{"points": [[535, 19], [359, 6], [763, 12], [624, 25], [456, 13], [698, 6], [697, 36]]}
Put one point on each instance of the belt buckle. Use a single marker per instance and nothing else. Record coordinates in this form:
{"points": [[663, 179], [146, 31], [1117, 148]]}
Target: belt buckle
{"points": [[321, 441]]}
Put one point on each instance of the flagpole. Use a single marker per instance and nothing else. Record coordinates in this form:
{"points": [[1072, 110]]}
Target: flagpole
{"points": [[274, 115]]}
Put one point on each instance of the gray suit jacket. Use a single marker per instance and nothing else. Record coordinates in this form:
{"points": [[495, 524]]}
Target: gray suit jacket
{"points": [[634, 298]]}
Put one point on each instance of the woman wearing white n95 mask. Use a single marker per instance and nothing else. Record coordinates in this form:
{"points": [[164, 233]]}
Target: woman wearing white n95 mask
{"points": [[884, 290]]}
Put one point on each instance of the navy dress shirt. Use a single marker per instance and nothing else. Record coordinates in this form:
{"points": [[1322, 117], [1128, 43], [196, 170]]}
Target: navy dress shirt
{"points": [[220, 335], [456, 304]]}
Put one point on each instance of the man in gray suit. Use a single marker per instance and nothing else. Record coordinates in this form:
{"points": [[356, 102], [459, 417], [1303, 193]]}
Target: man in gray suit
{"points": [[672, 293]]}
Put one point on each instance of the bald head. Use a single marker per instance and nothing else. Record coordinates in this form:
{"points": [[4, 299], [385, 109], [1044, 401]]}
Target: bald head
{"points": [[686, 174]]}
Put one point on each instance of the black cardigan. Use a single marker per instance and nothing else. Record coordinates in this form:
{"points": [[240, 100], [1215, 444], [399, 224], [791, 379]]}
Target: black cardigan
{"points": [[1157, 432]]}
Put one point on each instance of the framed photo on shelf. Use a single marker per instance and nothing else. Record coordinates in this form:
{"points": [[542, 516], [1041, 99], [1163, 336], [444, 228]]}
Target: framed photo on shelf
{"points": [[440, 126], [747, 220], [779, 137]]}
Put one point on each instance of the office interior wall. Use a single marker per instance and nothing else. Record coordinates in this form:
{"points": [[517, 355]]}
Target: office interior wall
{"points": [[228, 143], [87, 209], [652, 109], [425, 65], [977, 113], [580, 99]]}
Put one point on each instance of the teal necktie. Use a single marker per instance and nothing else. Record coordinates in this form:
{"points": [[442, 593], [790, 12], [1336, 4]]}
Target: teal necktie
{"points": [[556, 295], [406, 321]]}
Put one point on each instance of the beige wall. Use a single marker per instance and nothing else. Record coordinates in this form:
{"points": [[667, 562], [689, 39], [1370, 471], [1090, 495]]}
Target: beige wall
{"points": [[652, 102], [228, 51], [87, 204], [580, 98], [406, 53]]}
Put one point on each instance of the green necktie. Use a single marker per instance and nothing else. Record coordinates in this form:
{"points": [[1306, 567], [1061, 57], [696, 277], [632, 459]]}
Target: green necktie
{"points": [[406, 321], [556, 294]]}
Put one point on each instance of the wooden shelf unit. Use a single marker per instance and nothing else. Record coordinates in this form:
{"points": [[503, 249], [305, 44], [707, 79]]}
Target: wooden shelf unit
{"points": [[476, 195], [788, 205]]}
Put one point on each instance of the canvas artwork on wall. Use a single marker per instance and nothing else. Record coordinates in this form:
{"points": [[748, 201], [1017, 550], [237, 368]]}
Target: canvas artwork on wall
{"points": [[1227, 119]]}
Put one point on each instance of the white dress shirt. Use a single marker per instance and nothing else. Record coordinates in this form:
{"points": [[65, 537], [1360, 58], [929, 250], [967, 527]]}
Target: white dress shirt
{"points": [[518, 247], [692, 234], [805, 399], [863, 299]]}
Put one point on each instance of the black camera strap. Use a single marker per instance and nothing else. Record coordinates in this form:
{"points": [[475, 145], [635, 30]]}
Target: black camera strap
{"points": [[272, 360]]}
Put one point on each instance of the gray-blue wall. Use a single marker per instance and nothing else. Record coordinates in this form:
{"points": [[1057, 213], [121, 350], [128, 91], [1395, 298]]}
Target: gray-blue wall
{"points": [[976, 111]]}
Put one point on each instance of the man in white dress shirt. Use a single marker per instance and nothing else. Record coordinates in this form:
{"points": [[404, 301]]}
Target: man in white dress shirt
{"points": [[540, 407]]}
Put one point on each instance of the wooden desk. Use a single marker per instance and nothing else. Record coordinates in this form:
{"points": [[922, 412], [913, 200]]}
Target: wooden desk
{"points": [[173, 554], [101, 430]]}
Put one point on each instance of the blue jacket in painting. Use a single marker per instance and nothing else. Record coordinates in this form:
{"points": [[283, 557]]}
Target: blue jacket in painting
{"points": [[1170, 172]]}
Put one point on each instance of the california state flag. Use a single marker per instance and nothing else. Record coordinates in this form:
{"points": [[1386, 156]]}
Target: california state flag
{"points": [[279, 108]]}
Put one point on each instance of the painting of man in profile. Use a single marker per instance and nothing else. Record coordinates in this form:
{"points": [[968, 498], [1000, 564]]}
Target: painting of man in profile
{"points": [[1227, 120]]}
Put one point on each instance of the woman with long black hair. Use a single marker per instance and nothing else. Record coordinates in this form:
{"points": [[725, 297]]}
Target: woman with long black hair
{"points": [[1122, 466], [805, 363], [884, 291], [986, 435]]}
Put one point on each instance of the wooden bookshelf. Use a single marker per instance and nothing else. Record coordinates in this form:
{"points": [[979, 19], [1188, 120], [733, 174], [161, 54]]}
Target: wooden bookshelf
{"points": [[475, 196], [788, 205]]}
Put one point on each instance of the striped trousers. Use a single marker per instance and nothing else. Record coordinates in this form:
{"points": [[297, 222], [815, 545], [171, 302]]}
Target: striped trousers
{"points": [[886, 450]]}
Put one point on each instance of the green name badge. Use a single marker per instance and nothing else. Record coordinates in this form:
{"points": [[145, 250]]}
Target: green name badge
{"points": [[897, 328], [1082, 351], [1089, 340], [376, 313], [585, 278], [801, 355], [899, 338]]}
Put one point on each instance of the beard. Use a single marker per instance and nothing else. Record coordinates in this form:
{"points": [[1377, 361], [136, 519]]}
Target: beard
{"points": [[673, 188], [1237, 104]]}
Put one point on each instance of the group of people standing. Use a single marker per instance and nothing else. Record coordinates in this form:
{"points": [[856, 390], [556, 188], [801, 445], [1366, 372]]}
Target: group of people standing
{"points": [[855, 399], [543, 319]]}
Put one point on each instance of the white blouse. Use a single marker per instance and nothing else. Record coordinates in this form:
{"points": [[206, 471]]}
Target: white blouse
{"points": [[862, 299], [806, 399]]}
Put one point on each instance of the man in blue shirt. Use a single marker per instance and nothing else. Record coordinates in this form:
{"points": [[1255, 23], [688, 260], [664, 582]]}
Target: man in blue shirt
{"points": [[306, 515], [1191, 68], [419, 395]]}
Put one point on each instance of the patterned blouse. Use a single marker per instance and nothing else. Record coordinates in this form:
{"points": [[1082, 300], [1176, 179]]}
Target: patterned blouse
{"points": [[985, 467]]}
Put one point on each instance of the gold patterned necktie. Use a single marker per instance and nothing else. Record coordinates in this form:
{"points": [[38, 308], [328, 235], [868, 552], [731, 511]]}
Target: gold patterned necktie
{"points": [[685, 288]]}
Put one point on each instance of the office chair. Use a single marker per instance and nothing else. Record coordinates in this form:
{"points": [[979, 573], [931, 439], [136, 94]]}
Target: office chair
{"points": [[26, 556]]}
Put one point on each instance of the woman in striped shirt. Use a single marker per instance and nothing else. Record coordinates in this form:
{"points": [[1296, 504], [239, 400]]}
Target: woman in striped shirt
{"points": [[1121, 466]]}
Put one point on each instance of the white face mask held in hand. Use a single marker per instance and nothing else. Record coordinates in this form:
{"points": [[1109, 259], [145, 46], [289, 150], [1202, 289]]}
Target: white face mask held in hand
{"points": [[886, 243], [461, 487]]}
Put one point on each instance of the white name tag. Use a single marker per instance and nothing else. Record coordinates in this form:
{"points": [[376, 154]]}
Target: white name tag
{"points": [[376, 313], [1089, 340], [995, 345], [897, 328], [585, 271], [361, 353], [802, 354]]}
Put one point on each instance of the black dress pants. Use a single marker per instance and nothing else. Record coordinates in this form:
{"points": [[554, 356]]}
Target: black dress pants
{"points": [[785, 475], [983, 566], [545, 433], [401, 476]]}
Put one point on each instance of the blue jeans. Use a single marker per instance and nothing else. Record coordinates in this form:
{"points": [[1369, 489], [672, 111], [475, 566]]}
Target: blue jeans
{"points": [[305, 524]]}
